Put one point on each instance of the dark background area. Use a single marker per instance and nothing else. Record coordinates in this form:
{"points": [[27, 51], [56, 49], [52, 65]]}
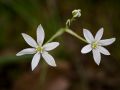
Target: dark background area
{"points": [[74, 70]]}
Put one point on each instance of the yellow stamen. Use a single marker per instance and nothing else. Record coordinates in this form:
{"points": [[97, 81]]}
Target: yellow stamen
{"points": [[39, 49], [94, 45]]}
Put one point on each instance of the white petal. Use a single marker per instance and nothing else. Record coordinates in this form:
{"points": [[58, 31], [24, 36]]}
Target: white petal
{"points": [[99, 34], [86, 49], [106, 42], [104, 50], [26, 51], [50, 46], [35, 60], [88, 35], [96, 56], [49, 59], [29, 40], [40, 35]]}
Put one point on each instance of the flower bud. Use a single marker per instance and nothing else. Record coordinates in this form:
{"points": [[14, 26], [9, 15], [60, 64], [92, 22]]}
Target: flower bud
{"points": [[68, 22], [76, 13]]}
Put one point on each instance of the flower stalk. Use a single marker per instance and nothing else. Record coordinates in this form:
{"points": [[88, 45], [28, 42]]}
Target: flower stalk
{"points": [[69, 31], [75, 35], [43, 75], [57, 34]]}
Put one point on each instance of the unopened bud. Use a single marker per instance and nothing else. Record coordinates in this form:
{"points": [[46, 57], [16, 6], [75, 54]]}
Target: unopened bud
{"points": [[76, 13], [68, 22]]}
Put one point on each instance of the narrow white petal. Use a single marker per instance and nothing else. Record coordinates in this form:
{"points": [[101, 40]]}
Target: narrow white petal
{"points": [[35, 60], [40, 35], [106, 42], [88, 35], [96, 56], [99, 34], [29, 40], [86, 49], [26, 51], [104, 50], [50, 46], [49, 59]]}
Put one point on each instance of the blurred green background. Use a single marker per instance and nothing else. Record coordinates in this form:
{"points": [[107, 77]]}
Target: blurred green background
{"points": [[74, 70]]}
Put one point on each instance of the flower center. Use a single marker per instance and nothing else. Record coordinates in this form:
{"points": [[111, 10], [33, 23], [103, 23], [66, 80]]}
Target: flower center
{"points": [[39, 49], [94, 45]]}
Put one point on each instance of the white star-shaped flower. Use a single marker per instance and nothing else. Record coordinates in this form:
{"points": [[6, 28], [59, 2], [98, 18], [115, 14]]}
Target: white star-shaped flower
{"points": [[38, 49], [96, 44]]}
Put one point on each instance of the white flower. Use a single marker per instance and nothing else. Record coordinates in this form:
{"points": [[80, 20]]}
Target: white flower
{"points": [[76, 13], [96, 45], [38, 49]]}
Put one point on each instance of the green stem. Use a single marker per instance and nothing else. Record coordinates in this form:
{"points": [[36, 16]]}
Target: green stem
{"points": [[69, 21], [76, 35], [58, 33], [72, 19], [43, 75], [62, 30]]}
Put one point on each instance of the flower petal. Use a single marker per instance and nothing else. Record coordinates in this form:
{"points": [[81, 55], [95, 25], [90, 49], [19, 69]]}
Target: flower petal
{"points": [[86, 49], [40, 35], [104, 50], [49, 59], [50, 46], [26, 51], [88, 35], [35, 60], [106, 42], [99, 34], [29, 40], [96, 56]]}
